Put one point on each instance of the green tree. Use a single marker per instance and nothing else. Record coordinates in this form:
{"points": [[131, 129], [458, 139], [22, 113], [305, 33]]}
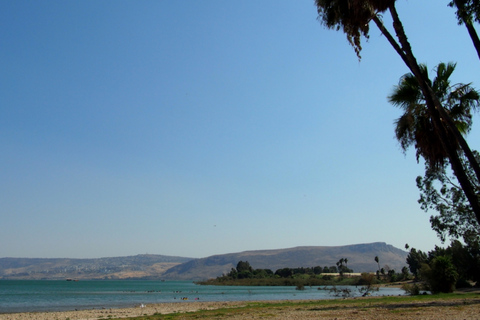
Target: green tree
{"points": [[244, 270], [233, 274], [318, 270], [440, 191], [440, 274], [340, 266], [466, 259], [244, 266], [392, 275], [284, 273], [354, 17], [405, 273], [378, 263], [415, 259]]}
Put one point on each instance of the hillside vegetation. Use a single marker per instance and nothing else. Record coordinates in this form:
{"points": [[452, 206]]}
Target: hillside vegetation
{"points": [[360, 258], [155, 267]]}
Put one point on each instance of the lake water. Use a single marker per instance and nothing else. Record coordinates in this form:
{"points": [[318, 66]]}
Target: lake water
{"points": [[29, 295]]}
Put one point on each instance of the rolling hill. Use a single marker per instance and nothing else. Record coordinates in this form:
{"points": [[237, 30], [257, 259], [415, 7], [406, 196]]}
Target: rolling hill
{"points": [[360, 259], [144, 266]]}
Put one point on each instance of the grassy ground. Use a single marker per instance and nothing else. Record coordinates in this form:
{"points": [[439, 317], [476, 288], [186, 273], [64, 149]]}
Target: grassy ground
{"points": [[444, 306]]}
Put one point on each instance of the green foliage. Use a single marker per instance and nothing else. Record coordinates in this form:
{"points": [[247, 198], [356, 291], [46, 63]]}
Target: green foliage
{"points": [[440, 274], [439, 191], [436, 113], [297, 276], [342, 266], [468, 11], [284, 273], [412, 289], [416, 128], [465, 258], [443, 269], [244, 266], [244, 274], [300, 286], [353, 17], [415, 259]]}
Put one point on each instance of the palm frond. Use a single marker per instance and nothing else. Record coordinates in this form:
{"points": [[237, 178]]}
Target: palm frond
{"points": [[415, 126]]}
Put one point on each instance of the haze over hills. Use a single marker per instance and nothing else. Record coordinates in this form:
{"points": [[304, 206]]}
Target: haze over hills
{"points": [[144, 266], [360, 259]]}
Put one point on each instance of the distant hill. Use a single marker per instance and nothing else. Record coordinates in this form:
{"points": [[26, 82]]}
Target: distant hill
{"points": [[145, 266], [360, 259]]}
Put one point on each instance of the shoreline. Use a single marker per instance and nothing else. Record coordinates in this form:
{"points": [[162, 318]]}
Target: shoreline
{"points": [[147, 310], [433, 308]]}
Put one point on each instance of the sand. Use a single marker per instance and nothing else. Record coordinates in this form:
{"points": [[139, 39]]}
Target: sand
{"points": [[434, 309], [93, 314]]}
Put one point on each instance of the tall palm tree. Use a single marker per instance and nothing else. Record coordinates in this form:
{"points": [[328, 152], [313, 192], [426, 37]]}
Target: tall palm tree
{"points": [[353, 17], [415, 126]]}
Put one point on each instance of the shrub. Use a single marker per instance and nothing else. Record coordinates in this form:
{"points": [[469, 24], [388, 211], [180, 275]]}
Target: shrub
{"points": [[411, 289], [440, 275], [367, 281]]}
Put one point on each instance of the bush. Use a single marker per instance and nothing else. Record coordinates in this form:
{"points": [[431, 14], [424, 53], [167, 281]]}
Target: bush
{"points": [[300, 286], [367, 281], [411, 289], [440, 275]]}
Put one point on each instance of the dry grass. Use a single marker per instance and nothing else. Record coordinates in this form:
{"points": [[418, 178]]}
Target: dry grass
{"points": [[451, 306]]}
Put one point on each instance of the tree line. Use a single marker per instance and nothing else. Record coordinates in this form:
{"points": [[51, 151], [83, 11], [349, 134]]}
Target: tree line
{"points": [[245, 274], [245, 271], [444, 269]]}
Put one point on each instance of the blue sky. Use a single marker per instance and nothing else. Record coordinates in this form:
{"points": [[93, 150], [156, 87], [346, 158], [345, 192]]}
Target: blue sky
{"points": [[197, 128]]}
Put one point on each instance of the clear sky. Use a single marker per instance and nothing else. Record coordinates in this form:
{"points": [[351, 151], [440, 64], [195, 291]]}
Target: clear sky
{"points": [[195, 128]]}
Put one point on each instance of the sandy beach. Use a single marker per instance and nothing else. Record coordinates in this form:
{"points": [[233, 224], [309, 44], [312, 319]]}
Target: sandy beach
{"points": [[428, 309], [93, 314]]}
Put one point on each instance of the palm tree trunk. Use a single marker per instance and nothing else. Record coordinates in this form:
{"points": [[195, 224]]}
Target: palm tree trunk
{"points": [[390, 39], [471, 30], [474, 36], [439, 117], [476, 43]]}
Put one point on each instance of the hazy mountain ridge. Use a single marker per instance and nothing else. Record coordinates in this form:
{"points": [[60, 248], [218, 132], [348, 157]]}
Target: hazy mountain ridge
{"points": [[139, 266], [360, 259]]}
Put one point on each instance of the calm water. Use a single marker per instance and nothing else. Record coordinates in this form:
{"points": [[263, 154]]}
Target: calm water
{"points": [[26, 295]]}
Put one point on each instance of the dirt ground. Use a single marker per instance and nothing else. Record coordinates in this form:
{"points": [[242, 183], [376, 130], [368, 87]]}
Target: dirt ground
{"points": [[435, 309]]}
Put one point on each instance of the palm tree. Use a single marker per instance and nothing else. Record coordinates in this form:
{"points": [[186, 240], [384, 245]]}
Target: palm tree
{"points": [[468, 11], [353, 17], [415, 126], [378, 262]]}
